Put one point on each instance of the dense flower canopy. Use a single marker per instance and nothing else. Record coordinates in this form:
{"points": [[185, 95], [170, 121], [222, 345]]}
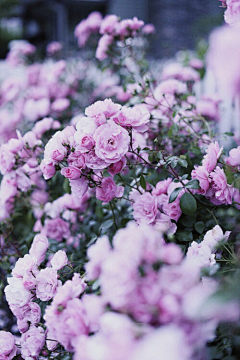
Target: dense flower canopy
{"points": [[119, 200]]}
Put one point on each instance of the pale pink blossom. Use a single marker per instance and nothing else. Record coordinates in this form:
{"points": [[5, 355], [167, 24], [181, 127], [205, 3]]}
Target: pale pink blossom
{"points": [[112, 142], [71, 172], [100, 111], [162, 187], [134, 117], [67, 323], [46, 284], [56, 229], [214, 236], [8, 348], [59, 260], [32, 342], [170, 86], [23, 265], [234, 157], [168, 342], [145, 209], [103, 47], [54, 47], [148, 29], [213, 154], [108, 24], [232, 14], [202, 175], [108, 190], [16, 293], [7, 159], [39, 247], [96, 254], [223, 192], [79, 187], [200, 254], [60, 104], [48, 170]]}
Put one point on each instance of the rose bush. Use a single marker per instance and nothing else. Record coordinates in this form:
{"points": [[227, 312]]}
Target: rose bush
{"points": [[119, 217]]}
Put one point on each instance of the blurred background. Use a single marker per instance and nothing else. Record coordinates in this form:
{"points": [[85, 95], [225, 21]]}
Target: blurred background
{"points": [[179, 24]]}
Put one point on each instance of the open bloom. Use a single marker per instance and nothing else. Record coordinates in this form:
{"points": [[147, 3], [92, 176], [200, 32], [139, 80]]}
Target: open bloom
{"points": [[8, 348], [145, 208], [112, 142]]}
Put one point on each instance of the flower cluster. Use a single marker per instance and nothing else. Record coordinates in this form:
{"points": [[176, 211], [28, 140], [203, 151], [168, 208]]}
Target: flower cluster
{"points": [[212, 179], [119, 210], [111, 29], [28, 284], [100, 141], [19, 165], [232, 13]]}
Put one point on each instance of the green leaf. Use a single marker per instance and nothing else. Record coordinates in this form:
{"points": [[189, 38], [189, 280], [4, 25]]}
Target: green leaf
{"points": [[66, 186], [143, 182], [151, 157], [188, 204], [193, 184], [229, 133], [183, 163], [106, 225], [184, 236], [199, 227], [174, 194], [187, 221], [124, 221]]}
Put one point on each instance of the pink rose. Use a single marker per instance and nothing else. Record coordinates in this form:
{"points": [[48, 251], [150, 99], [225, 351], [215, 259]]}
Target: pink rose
{"points": [[117, 167], [32, 342], [71, 172], [16, 293], [202, 175], [108, 190], [60, 104], [173, 209], [8, 348], [234, 157], [97, 253], [77, 159], [171, 254], [232, 14], [134, 117], [112, 142], [7, 159], [67, 324], [79, 187], [59, 260], [223, 192], [46, 284], [162, 187], [85, 141], [213, 154], [145, 209], [48, 170], [33, 314], [27, 263], [103, 46], [94, 162], [57, 228], [108, 24], [100, 111], [39, 247]]}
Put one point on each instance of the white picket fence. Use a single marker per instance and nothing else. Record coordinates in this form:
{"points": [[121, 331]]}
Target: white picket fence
{"points": [[229, 106]]}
